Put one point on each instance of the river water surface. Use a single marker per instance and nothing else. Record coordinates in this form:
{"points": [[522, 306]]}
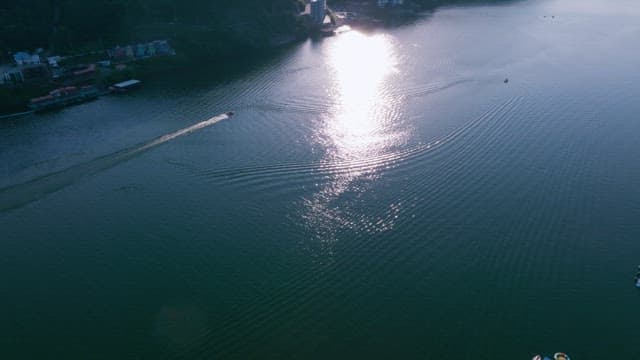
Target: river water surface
{"points": [[376, 195]]}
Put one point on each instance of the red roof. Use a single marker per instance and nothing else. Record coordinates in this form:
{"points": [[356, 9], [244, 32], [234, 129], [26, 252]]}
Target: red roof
{"points": [[42, 98]]}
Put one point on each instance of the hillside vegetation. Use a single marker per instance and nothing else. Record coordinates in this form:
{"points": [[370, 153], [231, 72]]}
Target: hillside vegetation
{"points": [[197, 28], [203, 27]]}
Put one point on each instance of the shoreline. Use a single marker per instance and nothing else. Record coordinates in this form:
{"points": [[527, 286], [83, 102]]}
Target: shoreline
{"points": [[357, 15], [16, 115]]}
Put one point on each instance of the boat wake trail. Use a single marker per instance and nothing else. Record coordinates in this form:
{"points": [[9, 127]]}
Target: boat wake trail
{"points": [[18, 195], [261, 174]]}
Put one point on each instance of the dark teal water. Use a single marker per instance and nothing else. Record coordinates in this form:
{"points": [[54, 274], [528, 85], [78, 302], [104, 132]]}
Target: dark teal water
{"points": [[376, 195]]}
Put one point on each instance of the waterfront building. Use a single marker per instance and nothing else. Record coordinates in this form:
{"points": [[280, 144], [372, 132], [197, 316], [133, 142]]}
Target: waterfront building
{"points": [[140, 50], [12, 77], [54, 61], [318, 11], [151, 50], [24, 58]]}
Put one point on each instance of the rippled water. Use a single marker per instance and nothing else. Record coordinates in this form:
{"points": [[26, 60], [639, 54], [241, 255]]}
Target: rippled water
{"points": [[375, 195]]}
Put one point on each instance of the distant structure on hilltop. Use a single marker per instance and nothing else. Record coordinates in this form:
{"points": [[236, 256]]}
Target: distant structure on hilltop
{"points": [[318, 11], [385, 3]]}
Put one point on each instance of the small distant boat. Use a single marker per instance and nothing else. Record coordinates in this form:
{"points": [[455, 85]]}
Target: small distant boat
{"points": [[561, 356], [125, 85], [64, 96]]}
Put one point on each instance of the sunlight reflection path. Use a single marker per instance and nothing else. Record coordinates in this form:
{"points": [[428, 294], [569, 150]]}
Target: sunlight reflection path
{"points": [[360, 65], [358, 128]]}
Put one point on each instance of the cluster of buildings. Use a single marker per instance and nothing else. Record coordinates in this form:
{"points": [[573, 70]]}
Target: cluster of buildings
{"points": [[42, 73], [28, 72], [317, 10], [28, 68], [141, 51], [326, 22], [35, 68], [24, 58]]}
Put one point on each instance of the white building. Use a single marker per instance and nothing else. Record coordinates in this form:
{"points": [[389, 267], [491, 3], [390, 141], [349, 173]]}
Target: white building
{"points": [[53, 60], [318, 11], [385, 3], [24, 58], [13, 76]]}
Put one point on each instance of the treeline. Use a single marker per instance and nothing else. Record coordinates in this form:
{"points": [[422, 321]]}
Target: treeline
{"points": [[198, 28], [73, 25]]}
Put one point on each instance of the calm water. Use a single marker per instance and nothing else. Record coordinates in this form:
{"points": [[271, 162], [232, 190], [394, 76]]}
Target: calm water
{"points": [[377, 195]]}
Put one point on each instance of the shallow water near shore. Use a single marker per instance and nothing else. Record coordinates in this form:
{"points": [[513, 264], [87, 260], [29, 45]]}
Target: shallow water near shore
{"points": [[376, 195]]}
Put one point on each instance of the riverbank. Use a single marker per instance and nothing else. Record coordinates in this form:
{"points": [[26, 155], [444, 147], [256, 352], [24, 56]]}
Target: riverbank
{"points": [[15, 99], [235, 36]]}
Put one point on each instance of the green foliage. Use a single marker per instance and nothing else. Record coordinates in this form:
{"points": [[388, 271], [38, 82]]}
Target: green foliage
{"points": [[71, 25], [16, 99]]}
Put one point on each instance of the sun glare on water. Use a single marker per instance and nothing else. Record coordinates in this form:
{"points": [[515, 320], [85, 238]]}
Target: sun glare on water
{"points": [[357, 130], [360, 65]]}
